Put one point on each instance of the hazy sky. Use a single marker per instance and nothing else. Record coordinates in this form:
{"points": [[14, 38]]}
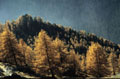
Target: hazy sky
{"points": [[101, 17]]}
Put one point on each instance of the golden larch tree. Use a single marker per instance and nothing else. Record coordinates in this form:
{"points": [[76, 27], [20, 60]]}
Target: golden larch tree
{"points": [[113, 60], [9, 48], [96, 61], [60, 48], [119, 64], [46, 58], [27, 52], [73, 64], [83, 63]]}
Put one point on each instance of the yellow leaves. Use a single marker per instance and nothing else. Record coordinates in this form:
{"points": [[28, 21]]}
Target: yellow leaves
{"points": [[96, 61], [45, 51], [59, 47], [51, 54], [26, 51], [113, 62], [83, 63], [58, 43], [94, 52], [9, 48]]}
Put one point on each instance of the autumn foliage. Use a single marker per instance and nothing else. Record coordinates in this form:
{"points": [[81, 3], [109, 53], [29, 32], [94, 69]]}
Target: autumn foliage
{"points": [[97, 63], [9, 49], [56, 51]]}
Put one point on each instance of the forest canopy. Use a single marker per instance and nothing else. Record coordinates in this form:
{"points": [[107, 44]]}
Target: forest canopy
{"points": [[52, 49]]}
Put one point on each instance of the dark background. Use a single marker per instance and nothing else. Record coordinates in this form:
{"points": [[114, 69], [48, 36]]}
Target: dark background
{"points": [[101, 17]]}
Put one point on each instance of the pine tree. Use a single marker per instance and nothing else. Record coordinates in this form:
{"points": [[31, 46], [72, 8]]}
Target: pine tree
{"points": [[9, 48], [46, 58], [96, 61]]}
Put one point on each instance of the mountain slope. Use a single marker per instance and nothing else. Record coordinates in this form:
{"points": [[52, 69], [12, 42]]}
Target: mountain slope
{"points": [[27, 27]]}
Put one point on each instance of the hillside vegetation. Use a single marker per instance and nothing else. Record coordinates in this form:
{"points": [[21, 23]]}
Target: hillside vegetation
{"points": [[46, 49], [26, 27]]}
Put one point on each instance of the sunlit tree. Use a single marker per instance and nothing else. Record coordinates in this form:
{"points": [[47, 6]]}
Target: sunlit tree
{"points": [[61, 49], [83, 63], [27, 52], [9, 48], [73, 64], [96, 61], [46, 58], [113, 62], [119, 64]]}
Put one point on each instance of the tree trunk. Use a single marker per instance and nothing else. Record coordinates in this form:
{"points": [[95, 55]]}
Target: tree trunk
{"points": [[114, 73], [52, 73], [15, 60]]}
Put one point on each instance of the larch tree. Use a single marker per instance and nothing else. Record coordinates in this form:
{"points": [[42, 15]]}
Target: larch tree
{"points": [[1, 27], [27, 52], [113, 63], [9, 49], [119, 64], [46, 58], [73, 64], [29, 55], [60, 48], [69, 61], [96, 61], [83, 63]]}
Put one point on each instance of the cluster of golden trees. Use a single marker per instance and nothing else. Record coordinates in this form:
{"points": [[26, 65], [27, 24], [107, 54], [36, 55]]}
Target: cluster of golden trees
{"points": [[51, 57], [12, 51]]}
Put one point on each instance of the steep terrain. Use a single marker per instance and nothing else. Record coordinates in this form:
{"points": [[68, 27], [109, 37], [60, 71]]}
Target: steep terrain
{"points": [[27, 28]]}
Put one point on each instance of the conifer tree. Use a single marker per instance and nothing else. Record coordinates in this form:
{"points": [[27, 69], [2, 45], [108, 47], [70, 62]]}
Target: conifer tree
{"points": [[96, 61], [61, 49], [73, 64], [46, 58], [9, 48], [27, 52], [119, 64], [113, 62], [83, 63], [1, 27]]}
